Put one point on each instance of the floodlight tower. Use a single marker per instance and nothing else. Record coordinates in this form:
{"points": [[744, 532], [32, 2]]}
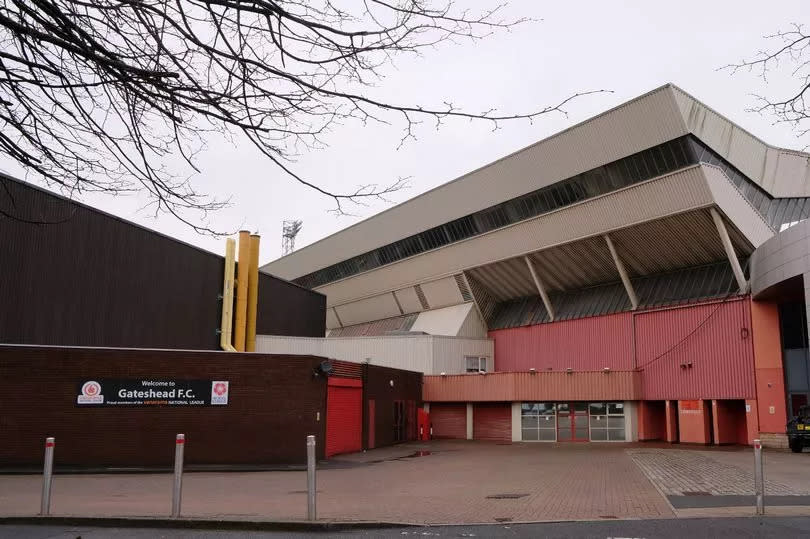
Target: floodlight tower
{"points": [[289, 231]]}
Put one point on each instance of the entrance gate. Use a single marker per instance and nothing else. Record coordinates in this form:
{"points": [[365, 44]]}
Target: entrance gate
{"points": [[572, 422]]}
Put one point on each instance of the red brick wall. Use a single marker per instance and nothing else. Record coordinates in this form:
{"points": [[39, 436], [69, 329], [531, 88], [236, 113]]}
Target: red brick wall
{"points": [[272, 407]]}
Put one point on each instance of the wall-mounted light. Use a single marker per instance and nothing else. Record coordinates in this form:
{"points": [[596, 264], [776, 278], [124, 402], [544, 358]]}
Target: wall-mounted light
{"points": [[324, 368], [606, 370], [683, 365], [482, 372], [569, 370], [443, 374], [391, 383], [689, 364], [533, 370]]}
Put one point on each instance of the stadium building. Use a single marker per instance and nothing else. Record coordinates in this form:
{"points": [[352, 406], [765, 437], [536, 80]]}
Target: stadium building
{"points": [[639, 276]]}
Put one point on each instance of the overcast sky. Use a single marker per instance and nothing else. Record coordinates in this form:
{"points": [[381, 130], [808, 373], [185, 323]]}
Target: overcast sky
{"points": [[629, 47]]}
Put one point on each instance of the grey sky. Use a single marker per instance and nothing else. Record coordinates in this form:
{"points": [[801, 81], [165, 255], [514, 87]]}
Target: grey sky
{"points": [[629, 46]]}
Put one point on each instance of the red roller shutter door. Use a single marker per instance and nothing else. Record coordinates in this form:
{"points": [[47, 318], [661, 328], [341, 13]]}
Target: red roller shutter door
{"points": [[344, 416], [492, 422], [449, 420]]}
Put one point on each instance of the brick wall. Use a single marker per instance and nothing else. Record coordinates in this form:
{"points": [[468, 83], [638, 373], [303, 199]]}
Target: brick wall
{"points": [[272, 407], [407, 388]]}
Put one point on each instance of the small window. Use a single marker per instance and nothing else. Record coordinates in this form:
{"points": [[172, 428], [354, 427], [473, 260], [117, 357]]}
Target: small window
{"points": [[475, 363]]}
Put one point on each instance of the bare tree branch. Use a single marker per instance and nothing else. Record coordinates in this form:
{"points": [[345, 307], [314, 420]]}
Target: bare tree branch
{"points": [[791, 53], [96, 95]]}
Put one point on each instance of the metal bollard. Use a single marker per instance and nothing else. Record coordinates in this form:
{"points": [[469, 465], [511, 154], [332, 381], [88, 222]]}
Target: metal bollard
{"points": [[759, 478], [47, 478], [177, 493], [311, 483]]}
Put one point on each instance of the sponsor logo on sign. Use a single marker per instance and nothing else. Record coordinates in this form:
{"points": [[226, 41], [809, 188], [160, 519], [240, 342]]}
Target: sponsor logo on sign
{"points": [[219, 392], [91, 393]]}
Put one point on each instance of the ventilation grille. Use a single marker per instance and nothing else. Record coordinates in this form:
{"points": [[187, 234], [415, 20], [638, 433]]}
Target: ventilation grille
{"points": [[462, 287], [422, 298]]}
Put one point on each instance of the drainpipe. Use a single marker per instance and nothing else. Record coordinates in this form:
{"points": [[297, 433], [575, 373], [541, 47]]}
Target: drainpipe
{"points": [[243, 270], [226, 325], [253, 294]]}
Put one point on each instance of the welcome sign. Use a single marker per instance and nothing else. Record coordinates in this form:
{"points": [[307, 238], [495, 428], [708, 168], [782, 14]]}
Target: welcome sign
{"points": [[152, 392]]}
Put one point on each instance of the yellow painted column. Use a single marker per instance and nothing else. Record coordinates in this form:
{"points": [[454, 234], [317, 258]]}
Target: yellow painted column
{"points": [[242, 273]]}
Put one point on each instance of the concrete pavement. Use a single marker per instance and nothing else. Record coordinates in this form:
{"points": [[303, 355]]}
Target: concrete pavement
{"points": [[441, 482], [765, 528]]}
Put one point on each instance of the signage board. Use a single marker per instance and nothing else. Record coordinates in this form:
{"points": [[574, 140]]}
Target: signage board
{"points": [[152, 392]]}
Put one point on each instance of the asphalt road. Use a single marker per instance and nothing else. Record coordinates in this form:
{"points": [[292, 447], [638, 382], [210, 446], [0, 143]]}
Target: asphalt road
{"points": [[776, 527]]}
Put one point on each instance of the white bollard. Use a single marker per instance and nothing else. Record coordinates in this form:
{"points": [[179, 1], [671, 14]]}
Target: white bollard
{"points": [[47, 478], [177, 493], [759, 478], [311, 483]]}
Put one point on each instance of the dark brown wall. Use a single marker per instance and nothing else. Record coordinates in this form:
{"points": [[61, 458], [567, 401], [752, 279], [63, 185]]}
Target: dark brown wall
{"points": [[376, 385], [272, 407], [90, 279], [288, 309]]}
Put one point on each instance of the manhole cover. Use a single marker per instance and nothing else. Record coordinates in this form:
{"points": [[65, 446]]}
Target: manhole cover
{"points": [[507, 496], [503, 519], [696, 493]]}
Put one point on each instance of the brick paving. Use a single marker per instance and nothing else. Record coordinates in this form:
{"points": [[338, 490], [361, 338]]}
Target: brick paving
{"points": [[678, 472], [451, 485]]}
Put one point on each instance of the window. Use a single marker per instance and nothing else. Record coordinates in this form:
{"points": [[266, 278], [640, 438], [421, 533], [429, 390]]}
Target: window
{"points": [[607, 421], [475, 363], [538, 422]]}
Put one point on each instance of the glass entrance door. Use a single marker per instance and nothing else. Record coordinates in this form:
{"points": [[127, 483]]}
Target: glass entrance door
{"points": [[572, 422]]}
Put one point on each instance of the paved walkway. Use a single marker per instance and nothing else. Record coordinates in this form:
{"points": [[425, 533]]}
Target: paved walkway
{"points": [[451, 482]]}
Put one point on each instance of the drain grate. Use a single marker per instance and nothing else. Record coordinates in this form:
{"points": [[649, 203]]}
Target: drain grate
{"points": [[696, 493], [507, 496]]}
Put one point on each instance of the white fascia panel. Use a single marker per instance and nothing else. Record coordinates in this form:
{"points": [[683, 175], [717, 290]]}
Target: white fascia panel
{"points": [[442, 293], [446, 321], [408, 300], [668, 195], [648, 120], [738, 210], [368, 309]]}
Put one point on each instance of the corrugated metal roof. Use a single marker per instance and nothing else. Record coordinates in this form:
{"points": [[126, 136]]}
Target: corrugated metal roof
{"points": [[376, 328], [687, 285]]}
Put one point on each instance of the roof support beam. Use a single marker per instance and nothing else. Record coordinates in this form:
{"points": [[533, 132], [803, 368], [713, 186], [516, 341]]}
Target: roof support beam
{"points": [[540, 288], [628, 286], [729, 247], [475, 299]]}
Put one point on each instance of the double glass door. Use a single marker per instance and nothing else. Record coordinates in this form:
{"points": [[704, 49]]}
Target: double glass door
{"points": [[572, 422]]}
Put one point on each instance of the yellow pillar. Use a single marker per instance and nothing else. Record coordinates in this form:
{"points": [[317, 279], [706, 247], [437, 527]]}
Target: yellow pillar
{"points": [[253, 294], [242, 278]]}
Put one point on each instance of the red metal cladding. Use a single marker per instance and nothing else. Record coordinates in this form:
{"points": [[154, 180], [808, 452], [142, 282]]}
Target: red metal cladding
{"points": [[344, 416], [346, 369], [492, 421], [449, 420], [524, 386], [586, 344], [696, 352]]}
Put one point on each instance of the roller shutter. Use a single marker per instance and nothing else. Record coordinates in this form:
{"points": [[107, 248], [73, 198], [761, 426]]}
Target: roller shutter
{"points": [[344, 416], [449, 420], [492, 421]]}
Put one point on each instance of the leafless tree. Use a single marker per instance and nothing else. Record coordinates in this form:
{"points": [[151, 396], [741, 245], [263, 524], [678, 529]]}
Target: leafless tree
{"points": [[790, 52], [96, 94]]}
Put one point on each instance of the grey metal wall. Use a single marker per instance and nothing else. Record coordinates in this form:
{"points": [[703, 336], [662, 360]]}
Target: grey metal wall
{"points": [[73, 275]]}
